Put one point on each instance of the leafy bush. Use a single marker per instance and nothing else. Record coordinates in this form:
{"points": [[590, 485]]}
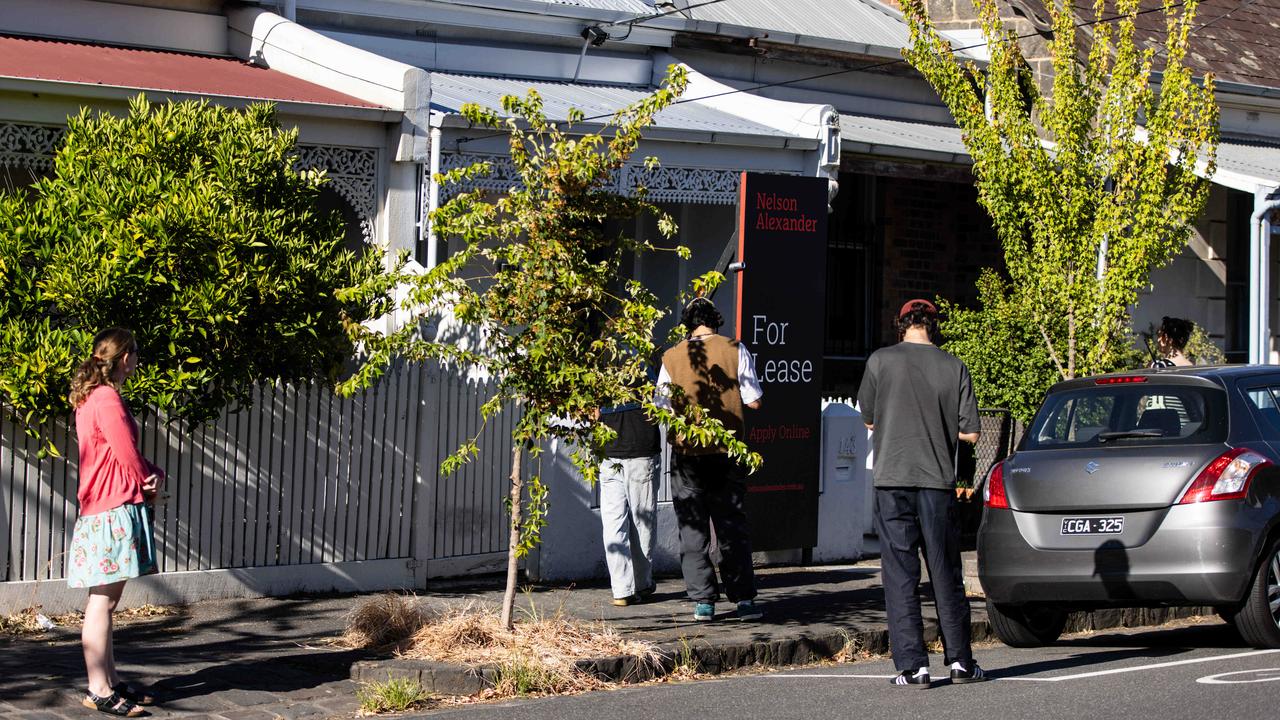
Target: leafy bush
{"points": [[1004, 352], [188, 224]]}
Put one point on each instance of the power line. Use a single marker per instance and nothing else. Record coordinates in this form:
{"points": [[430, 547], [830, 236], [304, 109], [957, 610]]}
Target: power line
{"points": [[595, 35], [861, 68]]}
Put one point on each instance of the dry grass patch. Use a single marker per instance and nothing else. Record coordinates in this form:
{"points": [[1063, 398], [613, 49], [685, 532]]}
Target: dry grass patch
{"points": [[537, 657], [853, 650], [383, 622], [23, 622], [687, 666], [147, 611], [27, 621]]}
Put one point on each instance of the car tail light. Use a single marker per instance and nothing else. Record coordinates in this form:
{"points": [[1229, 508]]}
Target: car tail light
{"points": [[1226, 478], [1120, 379], [993, 492]]}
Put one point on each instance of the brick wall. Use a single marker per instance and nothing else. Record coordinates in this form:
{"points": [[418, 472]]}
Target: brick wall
{"points": [[936, 240], [1027, 18]]}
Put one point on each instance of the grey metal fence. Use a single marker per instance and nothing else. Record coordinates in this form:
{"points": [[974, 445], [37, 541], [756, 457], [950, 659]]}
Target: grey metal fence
{"points": [[300, 477]]}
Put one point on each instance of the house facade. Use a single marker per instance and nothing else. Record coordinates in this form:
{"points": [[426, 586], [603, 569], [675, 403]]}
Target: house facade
{"points": [[374, 87], [813, 88]]}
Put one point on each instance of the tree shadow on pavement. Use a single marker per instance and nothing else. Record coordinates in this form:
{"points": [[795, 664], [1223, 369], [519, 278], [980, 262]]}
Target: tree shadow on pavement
{"points": [[240, 647]]}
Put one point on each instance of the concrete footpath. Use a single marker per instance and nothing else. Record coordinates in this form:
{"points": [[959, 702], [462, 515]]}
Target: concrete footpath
{"points": [[269, 658]]}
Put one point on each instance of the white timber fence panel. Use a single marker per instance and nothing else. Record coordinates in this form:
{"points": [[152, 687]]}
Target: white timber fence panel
{"points": [[302, 491]]}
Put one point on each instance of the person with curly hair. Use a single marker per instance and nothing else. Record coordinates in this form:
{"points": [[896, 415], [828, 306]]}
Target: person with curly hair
{"points": [[712, 375], [113, 540], [1171, 341]]}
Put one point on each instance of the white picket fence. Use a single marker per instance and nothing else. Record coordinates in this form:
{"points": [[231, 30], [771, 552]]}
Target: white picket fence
{"points": [[303, 490]]}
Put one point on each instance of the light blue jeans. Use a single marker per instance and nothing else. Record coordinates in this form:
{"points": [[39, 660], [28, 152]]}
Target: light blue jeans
{"points": [[628, 518]]}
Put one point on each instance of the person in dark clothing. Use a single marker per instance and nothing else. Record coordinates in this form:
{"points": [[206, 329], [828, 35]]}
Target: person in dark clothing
{"points": [[918, 400], [1171, 340], [707, 486], [629, 502]]}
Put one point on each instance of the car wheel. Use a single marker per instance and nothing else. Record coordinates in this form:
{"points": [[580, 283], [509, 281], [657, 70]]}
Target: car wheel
{"points": [[1026, 626], [1259, 619]]}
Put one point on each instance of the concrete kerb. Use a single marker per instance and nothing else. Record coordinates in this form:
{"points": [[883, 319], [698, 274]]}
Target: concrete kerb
{"points": [[712, 658], [438, 678]]}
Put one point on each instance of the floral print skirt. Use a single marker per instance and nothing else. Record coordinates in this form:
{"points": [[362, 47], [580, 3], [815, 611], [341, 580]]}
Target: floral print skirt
{"points": [[112, 546]]}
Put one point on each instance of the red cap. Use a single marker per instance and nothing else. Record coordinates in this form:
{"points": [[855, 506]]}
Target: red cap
{"points": [[909, 305]]}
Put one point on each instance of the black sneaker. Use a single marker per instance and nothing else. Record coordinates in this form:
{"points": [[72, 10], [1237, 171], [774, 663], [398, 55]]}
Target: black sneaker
{"points": [[968, 672], [918, 679]]}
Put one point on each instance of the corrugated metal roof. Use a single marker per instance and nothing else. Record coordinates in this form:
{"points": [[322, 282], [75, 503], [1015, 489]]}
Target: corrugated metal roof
{"points": [[450, 91], [862, 133], [1254, 159], [863, 22], [94, 64], [857, 21]]}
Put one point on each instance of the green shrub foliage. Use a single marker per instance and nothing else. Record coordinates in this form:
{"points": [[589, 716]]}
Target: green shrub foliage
{"points": [[188, 224]]}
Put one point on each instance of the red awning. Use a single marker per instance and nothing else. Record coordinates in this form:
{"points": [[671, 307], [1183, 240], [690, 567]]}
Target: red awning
{"points": [[157, 70]]}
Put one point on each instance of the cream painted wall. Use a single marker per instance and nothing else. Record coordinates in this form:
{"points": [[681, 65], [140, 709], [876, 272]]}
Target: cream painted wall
{"points": [[1193, 286]]}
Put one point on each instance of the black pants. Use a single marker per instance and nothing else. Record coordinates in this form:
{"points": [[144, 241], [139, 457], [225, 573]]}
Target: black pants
{"points": [[907, 520], [708, 490]]}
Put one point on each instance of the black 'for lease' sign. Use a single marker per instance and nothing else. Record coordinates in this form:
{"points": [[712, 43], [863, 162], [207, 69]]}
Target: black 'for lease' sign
{"points": [[782, 240]]}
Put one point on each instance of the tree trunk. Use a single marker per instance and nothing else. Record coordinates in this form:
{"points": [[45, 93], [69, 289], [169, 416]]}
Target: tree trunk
{"points": [[513, 560]]}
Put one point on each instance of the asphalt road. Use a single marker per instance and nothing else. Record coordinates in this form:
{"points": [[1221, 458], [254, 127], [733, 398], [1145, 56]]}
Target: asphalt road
{"points": [[1200, 671]]}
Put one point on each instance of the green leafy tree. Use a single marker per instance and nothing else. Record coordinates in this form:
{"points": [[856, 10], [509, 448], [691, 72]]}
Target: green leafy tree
{"points": [[1090, 186], [537, 273], [188, 224]]}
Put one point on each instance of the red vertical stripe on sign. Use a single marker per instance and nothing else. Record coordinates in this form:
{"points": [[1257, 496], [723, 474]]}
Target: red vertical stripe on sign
{"points": [[742, 234]]}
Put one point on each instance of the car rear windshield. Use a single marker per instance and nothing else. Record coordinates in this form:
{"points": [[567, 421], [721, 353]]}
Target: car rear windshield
{"points": [[1130, 414]]}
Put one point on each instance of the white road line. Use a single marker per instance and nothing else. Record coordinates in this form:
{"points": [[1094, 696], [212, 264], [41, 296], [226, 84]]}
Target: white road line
{"points": [[995, 675], [834, 675], [1263, 675], [1140, 668]]}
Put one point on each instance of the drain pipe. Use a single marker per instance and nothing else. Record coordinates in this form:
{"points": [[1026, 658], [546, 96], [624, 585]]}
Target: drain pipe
{"points": [[433, 200], [1260, 278], [290, 10]]}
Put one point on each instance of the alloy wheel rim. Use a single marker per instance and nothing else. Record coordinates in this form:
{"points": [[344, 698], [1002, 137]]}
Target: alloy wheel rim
{"points": [[1273, 588]]}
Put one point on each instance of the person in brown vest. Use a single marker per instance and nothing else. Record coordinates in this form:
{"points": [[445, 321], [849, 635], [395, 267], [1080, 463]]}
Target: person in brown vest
{"points": [[709, 374]]}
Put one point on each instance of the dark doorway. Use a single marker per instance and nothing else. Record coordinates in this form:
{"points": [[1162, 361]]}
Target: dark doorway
{"points": [[853, 293]]}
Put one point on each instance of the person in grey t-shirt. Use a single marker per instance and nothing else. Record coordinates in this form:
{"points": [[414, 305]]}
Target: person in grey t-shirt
{"points": [[918, 400]]}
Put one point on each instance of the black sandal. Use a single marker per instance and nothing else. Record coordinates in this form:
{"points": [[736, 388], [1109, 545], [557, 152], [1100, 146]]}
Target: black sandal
{"points": [[137, 697], [113, 704]]}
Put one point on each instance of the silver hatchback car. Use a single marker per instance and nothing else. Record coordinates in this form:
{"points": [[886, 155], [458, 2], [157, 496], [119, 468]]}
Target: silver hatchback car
{"points": [[1144, 489]]}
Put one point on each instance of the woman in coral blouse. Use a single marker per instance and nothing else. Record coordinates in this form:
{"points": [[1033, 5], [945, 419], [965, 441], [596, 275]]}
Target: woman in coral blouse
{"points": [[113, 539]]}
